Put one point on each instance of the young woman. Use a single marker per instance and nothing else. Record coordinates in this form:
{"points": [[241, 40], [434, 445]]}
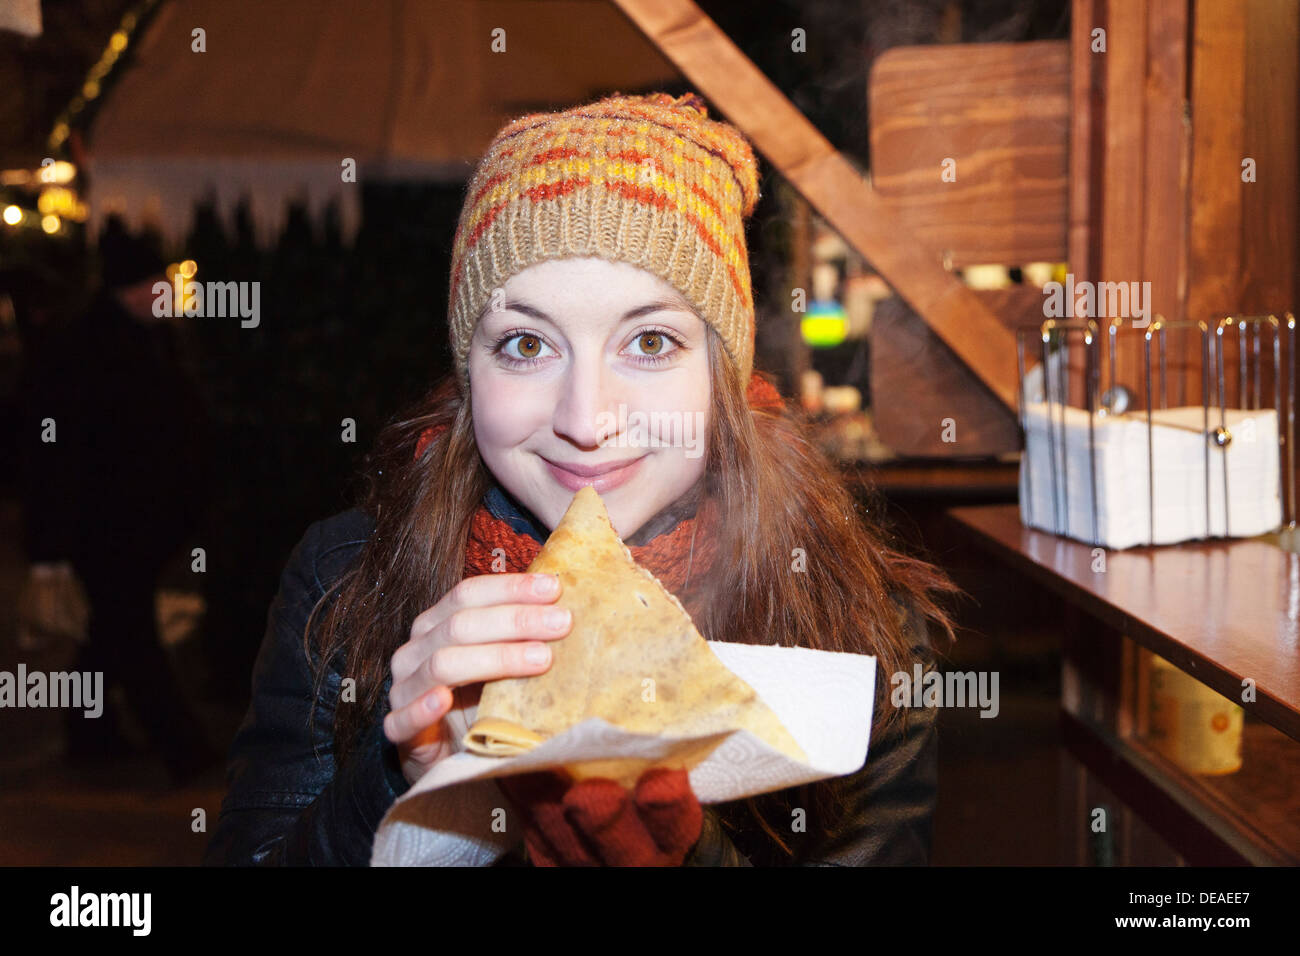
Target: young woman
{"points": [[599, 275]]}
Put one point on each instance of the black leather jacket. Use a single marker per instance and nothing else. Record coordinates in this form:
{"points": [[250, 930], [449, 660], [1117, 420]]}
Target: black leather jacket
{"points": [[288, 803]]}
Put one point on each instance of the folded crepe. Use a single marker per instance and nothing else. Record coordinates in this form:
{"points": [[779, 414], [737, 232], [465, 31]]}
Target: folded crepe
{"points": [[632, 658]]}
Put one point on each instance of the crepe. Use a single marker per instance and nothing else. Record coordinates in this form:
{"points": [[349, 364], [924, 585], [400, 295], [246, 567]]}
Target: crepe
{"points": [[632, 658]]}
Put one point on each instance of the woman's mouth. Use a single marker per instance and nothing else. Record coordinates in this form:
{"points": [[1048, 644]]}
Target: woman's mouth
{"points": [[603, 477]]}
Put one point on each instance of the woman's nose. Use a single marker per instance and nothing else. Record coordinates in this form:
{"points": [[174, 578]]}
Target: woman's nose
{"points": [[585, 411]]}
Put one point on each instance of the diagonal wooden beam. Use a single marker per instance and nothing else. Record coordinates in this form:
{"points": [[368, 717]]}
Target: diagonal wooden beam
{"points": [[727, 78]]}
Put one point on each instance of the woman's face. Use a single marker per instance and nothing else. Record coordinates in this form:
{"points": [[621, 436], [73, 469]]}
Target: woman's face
{"points": [[590, 372]]}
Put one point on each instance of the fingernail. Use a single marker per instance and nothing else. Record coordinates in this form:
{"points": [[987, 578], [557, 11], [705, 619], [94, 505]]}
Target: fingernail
{"points": [[545, 584], [537, 654], [557, 618]]}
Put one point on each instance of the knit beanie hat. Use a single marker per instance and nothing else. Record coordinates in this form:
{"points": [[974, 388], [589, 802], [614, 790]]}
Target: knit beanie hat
{"points": [[647, 180]]}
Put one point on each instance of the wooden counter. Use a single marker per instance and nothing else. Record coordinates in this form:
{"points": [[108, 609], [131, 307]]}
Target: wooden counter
{"points": [[1222, 611]]}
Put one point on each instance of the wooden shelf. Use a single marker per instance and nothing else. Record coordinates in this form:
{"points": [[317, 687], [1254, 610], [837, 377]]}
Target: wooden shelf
{"points": [[1251, 816]]}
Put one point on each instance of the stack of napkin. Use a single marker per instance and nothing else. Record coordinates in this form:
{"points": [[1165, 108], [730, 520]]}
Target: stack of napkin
{"points": [[1178, 448]]}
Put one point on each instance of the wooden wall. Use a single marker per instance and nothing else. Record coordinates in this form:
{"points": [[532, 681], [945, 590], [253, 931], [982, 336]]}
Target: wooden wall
{"points": [[1162, 121]]}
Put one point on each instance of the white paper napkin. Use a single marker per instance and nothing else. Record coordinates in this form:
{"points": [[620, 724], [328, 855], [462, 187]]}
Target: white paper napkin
{"points": [[1178, 456], [455, 815]]}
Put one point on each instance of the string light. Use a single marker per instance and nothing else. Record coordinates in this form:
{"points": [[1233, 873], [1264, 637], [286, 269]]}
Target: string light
{"points": [[56, 207], [92, 87]]}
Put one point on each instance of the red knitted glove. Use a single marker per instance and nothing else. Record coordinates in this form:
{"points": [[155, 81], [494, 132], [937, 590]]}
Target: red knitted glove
{"points": [[597, 822]]}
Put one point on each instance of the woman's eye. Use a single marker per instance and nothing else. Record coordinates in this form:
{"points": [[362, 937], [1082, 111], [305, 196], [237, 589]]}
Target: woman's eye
{"points": [[653, 346], [521, 349], [652, 343], [526, 346]]}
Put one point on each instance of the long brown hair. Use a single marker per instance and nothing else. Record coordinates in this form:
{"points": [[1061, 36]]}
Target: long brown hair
{"points": [[776, 491]]}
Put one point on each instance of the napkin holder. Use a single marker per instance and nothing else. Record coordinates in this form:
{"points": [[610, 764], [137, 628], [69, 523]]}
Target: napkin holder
{"points": [[1127, 470]]}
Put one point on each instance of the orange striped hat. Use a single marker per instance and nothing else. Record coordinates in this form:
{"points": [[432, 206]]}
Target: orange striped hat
{"points": [[647, 180]]}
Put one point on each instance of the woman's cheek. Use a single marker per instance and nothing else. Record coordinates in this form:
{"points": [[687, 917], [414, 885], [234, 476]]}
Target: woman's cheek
{"points": [[678, 419], [501, 411], [503, 426]]}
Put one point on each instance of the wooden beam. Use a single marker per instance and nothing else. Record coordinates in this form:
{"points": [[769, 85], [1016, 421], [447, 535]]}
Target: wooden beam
{"points": [[727, 78], [1168, 159], [1218, 135], [1271, 90], [1123, 169], [1086, 140], [1130, 163]]}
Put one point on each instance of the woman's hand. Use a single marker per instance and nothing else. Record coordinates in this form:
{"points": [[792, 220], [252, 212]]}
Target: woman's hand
{"points": [[597, 822], [487, 627]]}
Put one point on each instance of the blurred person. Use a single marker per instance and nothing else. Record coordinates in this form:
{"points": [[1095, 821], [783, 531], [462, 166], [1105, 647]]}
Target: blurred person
{"points": [[114, 496]]}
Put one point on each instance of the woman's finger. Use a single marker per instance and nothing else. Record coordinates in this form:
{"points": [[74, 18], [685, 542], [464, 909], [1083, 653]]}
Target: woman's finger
{"points": [[495, 592], [501, 622], [404, 724], [483, 590], [456, 666], [505, 622]]}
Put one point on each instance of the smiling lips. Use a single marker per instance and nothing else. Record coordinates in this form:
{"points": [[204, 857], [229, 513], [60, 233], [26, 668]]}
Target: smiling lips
{"points": [[602, 478]]}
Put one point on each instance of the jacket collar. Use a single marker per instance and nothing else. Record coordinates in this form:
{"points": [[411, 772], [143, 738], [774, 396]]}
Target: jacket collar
{"points": [[501, 504]]}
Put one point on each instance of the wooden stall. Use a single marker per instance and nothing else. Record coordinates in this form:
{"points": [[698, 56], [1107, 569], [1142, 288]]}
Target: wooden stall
{"points": [[1160, 143]]}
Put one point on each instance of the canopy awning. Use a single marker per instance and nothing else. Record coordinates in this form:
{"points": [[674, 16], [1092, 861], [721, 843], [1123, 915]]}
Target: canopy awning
{"points": [[285, 90]]}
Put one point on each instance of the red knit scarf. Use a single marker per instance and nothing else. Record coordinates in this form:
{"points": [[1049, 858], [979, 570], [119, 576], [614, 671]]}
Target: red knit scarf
{"points": [[674, 557]]}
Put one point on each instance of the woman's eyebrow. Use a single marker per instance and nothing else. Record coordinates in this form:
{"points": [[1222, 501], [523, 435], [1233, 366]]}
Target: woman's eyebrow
{"points": [[659, 305]]}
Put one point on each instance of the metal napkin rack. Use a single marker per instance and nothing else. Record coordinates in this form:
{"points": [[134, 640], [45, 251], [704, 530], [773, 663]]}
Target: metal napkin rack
{"points": [[1114, 400]]}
